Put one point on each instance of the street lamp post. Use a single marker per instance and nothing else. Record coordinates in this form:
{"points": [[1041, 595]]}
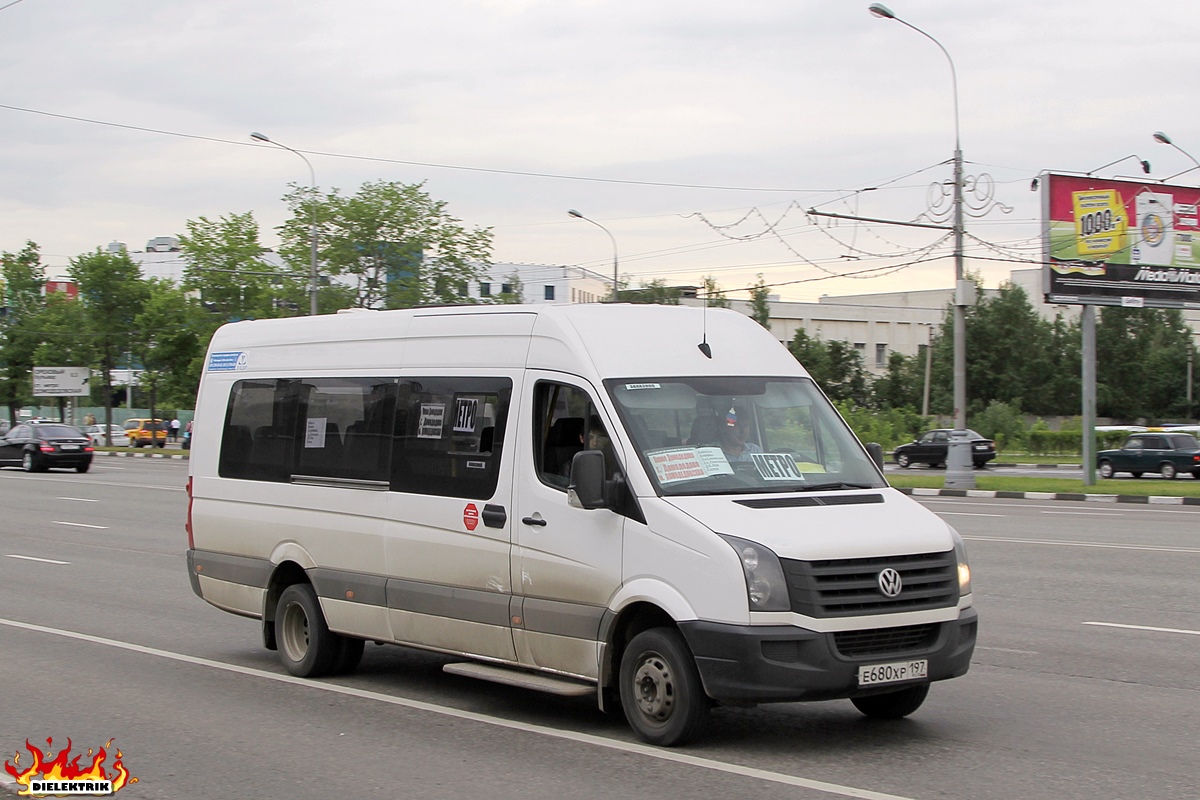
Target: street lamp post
{"points": [[960, 287], [616, 283], [1162, 138], [312, 274], [958, 465]]}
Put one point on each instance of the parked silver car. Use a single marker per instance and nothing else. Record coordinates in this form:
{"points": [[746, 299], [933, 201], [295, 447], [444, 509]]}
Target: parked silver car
{"points": [[96, 434]]}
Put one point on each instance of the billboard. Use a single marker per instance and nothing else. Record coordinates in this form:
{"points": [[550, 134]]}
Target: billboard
{"points": [[1120, 242]]}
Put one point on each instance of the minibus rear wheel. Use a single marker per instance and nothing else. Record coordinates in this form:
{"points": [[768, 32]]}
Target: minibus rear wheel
{"points": [[307, 648], [661, 692]]}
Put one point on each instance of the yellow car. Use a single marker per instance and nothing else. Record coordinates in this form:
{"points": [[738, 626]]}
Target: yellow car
{"points": [[146, 432]]}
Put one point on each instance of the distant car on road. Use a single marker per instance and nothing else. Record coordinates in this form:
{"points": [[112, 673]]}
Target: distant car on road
{"points": [[36, 448], [1166, 453], [96, 434], [146, 432], [933, 447]]}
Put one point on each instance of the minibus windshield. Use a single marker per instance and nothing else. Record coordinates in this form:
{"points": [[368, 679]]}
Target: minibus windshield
{"points": [[740, 435]]}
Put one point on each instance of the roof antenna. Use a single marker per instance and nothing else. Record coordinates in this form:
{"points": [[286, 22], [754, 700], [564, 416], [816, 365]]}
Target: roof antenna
{"points": [[704, 348]]}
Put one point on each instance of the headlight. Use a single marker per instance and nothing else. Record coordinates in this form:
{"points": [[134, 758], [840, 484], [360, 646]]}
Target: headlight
{"points": [[964, 569], [766, 587]]}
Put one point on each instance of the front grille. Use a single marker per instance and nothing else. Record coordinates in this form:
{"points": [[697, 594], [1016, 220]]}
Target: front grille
{"points": [[850, 587], [885, 641]]}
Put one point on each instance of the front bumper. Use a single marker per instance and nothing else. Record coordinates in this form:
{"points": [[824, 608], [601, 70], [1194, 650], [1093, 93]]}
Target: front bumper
{"points": [[745, 664]]}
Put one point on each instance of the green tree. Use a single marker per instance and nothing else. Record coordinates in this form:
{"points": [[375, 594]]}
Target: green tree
{"points": [[112, 292], [760, 304], [903, 385], [391, 242], [656, 291], [57, 328], [23, 281], [836, 366], [1141, 363], [224, 264], [515, 293], [713, 294], [172, 336]]}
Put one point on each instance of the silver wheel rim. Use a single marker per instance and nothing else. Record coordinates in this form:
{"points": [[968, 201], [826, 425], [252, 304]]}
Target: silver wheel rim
{"points": [[1168, 471], [294, 629], [27, 462], [654, 688]]}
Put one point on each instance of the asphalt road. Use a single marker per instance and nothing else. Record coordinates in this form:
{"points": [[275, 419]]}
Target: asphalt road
{"points": [[1084, 684]]}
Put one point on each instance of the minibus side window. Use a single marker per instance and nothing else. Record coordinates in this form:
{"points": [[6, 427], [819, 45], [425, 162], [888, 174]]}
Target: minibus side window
{"points": [[449, 436], [328, 427], [566, 423]]}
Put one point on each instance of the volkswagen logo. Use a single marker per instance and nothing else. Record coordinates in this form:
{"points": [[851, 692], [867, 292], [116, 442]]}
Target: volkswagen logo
{"points": [[890, 583]]}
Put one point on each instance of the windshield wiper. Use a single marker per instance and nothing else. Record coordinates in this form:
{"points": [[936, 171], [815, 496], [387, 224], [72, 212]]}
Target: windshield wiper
{"points": [[835, 485]]}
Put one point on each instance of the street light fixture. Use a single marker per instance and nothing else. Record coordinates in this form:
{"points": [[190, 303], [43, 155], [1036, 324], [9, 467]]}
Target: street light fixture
{"points": [[616, 283], [1162, 138], [960, 288], [312, 274]]}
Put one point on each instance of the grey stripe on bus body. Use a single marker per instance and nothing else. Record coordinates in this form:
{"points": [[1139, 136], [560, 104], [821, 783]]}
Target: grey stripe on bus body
{"points": [[245, 570], [562, 619], [538, 615]]}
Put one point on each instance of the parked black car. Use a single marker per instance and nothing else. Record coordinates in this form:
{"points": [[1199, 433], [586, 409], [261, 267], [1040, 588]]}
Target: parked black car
{"points": [[36, 448], [1166, 453], [933, 447]]}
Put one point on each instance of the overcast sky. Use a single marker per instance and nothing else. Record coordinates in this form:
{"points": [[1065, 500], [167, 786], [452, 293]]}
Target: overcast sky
{"points": [[514, 111]]}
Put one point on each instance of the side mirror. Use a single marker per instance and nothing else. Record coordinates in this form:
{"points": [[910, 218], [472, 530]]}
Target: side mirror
{"points": [[587, 480], [875, 450]]}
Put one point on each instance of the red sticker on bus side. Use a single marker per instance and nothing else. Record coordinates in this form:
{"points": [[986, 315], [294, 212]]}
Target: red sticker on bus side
{"points": [[470, 516]]}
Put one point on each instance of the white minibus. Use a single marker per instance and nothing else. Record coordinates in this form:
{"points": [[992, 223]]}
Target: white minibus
{"points": [[652, 505]]}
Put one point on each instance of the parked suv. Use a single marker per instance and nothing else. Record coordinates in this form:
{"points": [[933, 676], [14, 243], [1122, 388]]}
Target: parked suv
{"points": [[1168, 454], [146, 432]]}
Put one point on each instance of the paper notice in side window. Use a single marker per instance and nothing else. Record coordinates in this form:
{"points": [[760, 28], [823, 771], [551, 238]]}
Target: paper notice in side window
{"points": [[314, 432], [433, 416], [776, 467], [688, 463]]}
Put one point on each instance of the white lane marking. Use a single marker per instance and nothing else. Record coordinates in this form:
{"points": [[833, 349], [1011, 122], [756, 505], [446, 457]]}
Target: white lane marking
{"points": [[80, 499], [1010, 503], [1087, 513], [1067, 543], [1143, 628], [80, 525], [35, 558], [966, 514], [582, 738], [1008, 650]]}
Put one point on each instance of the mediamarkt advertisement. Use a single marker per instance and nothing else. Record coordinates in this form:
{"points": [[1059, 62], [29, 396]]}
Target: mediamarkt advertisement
{"points": [[1119, 242]]}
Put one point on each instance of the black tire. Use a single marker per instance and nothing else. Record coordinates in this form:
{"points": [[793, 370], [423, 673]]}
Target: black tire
{"points": [[1196, 474], [903, 461], [892, 705], [1136, 474], [1167, 470], [83, 467], [1106, 470], [307, 648], [30, 462], [350, 656], [661, 693], [938, 465]]}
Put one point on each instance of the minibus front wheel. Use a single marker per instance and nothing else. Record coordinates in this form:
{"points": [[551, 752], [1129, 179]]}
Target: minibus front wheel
{"points": [[661, 692], [307, 648]]}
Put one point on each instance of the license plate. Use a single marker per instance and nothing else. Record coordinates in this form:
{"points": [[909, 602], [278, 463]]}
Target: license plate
{"points": [[873, 674], [69, 446]]}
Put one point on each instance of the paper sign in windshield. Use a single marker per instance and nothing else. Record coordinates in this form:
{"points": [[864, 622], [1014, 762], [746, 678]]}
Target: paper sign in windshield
{"points": [[776, 467], [433, 416], [688, 463], [314, 431]]}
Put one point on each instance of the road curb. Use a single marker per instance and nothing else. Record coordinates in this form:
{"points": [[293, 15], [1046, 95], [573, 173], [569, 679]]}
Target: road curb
{"points": [[1090, 498], [162, 456]]}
